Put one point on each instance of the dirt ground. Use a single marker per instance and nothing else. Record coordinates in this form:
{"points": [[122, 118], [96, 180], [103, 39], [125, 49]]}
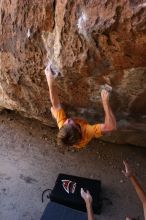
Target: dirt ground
{"points": [[30, 162]]}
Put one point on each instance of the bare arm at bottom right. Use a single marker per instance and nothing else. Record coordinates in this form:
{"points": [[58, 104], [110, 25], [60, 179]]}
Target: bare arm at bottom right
{"points": [[140, 192], [138, 188]]}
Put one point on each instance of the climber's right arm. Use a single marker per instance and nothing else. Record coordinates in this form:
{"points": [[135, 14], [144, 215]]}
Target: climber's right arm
{"points": [[54, 98], [110, 120]]}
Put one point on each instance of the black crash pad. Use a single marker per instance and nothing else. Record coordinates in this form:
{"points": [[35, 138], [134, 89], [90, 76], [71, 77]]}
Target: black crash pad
{"points": [[73, 200]]}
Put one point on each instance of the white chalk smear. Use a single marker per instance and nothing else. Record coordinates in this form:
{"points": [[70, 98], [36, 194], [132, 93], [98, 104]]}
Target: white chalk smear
{"points": [[81, 24], [28, 33], [142, 5]]}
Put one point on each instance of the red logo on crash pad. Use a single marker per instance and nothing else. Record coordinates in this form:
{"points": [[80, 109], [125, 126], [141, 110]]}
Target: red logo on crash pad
{"points": [[69, 186]]}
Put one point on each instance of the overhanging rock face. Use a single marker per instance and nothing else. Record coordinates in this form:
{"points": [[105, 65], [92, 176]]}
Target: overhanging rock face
{"points": [[91, 43]]}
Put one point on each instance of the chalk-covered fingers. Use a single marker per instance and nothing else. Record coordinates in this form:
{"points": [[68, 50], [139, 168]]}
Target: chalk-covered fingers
{"points": [[105, 96], [50, 73]]}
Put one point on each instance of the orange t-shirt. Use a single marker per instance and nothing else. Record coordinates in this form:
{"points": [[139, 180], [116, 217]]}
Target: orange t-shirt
{"points": [[88, 131]]}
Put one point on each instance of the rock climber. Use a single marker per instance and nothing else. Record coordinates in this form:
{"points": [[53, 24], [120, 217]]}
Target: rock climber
{"points": [[74, 131]]}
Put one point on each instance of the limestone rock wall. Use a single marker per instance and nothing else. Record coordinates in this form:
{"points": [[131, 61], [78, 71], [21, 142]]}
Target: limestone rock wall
{"points": [[91, 42]]}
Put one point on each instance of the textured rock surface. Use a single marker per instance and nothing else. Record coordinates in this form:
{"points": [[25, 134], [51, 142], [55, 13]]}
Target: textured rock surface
{"points": [[91, 42]]}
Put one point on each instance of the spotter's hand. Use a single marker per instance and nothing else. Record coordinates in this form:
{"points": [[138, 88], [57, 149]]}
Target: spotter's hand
{"points": [[127, 172], [86, 196]]}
